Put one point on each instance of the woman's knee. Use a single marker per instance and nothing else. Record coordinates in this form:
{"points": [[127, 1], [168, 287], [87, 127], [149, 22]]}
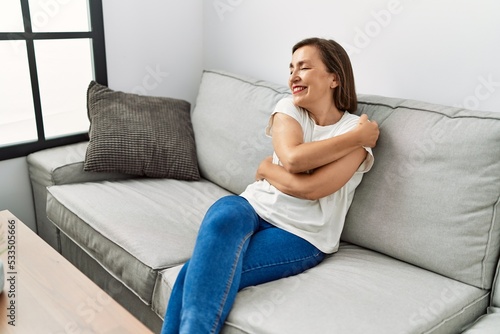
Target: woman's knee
{"points": [[228, 215]]}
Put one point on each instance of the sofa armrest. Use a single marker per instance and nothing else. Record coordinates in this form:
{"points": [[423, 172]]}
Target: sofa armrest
{"points": [[487, 324], [64, 165], [55, 166]]}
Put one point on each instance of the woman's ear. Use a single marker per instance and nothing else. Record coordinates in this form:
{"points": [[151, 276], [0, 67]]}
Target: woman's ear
{"points": [[334, 83]]}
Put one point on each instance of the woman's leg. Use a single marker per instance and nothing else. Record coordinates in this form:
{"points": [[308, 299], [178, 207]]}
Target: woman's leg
{"points": [[172, 320], [224, 253], [274, 253], [204, 293]]}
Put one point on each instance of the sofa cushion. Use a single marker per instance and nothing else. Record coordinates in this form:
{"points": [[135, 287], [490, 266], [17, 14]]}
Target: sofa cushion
{"points": [[487, 324], [353, 291], [229, 122], [139, 135], [433, 194], [163, 289], [135, 227]]}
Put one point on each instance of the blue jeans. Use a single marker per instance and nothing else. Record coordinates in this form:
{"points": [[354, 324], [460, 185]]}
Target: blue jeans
{"points": [[235, 248]]}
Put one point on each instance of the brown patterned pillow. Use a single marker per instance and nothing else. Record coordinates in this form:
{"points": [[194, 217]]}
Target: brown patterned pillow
{"points": [[140, 135]]}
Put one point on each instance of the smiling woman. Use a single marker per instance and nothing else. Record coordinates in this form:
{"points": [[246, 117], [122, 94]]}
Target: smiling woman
{"points": [[289, 218], [49, 51]]}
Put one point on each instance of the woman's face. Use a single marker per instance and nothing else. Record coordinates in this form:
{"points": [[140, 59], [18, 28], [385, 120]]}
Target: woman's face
{"points": [[310, 82]]}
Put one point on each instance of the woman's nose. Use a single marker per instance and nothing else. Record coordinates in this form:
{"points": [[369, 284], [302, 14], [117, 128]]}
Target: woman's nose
{"points": [[293, 76]]}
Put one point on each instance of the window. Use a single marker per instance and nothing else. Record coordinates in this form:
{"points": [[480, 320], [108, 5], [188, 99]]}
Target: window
{"points": [[50, 50]]}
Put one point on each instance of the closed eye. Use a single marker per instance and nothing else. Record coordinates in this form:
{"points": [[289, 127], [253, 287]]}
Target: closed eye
{"points": [[301, 69]]}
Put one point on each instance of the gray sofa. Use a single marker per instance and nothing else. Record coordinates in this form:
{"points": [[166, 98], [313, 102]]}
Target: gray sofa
{"points": [[420, 248]]}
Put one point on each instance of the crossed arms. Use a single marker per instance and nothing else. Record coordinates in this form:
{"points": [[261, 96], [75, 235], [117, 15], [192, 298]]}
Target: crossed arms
{"points": [[333, 161]]}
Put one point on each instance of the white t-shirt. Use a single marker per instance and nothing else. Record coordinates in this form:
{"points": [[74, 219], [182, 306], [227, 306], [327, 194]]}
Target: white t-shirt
{"points": [[318, 221]]}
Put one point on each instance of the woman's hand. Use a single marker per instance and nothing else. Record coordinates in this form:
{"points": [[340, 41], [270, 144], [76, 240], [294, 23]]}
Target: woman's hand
{"points": [[367, 131], [263, 167]]}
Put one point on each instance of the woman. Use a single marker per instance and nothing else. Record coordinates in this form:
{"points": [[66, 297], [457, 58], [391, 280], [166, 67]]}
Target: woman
{"points": [[292, 216]]}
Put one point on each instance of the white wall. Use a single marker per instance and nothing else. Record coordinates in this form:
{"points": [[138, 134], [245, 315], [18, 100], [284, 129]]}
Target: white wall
{"points": [[154, 47], [444, 51], [15, 190]]}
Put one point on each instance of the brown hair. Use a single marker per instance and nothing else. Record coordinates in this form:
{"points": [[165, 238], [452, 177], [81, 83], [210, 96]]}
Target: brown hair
{"points": [[337, 62]]}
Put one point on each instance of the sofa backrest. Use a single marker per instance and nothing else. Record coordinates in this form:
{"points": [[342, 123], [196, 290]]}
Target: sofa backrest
{"points": [[433, 195], [229, 121], [431, 198]]}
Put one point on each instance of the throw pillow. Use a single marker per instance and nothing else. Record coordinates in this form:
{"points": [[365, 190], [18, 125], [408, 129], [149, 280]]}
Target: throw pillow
{"points": [[139, 135]]}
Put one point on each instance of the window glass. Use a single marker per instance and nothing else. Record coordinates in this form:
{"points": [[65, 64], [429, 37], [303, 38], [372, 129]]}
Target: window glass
{"points": [[11, 19], [50, 50], [64, 72], [17, 117], [59, 15]]}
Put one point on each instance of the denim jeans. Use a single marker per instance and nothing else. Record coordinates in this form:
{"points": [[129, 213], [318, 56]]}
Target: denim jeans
{"points": [[235, 248]]}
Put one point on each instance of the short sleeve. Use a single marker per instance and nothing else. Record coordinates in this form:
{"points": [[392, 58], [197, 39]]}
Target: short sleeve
{"points": [[286, 107], [350, 123], [368, 163]]}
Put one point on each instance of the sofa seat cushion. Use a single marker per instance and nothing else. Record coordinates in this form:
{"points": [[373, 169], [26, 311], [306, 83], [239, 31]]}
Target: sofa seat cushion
{"points": [[353, 291], [133, 227]]}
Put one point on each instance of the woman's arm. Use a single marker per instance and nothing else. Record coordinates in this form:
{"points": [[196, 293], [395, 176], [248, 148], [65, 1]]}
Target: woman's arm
{"points": [[322, 182], [297, 156]]}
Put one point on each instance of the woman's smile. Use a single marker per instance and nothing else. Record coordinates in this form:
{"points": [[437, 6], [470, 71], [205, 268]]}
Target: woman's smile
{"points": [[298, 89]]}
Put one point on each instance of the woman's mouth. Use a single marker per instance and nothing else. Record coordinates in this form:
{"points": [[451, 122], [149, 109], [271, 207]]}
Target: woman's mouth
{"points": [[298, 89]]}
